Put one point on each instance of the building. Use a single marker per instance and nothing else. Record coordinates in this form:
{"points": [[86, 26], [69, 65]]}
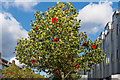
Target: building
{"points": [[0, 66], [110, 42], [83, 75], [0, 62], [4, 63]]}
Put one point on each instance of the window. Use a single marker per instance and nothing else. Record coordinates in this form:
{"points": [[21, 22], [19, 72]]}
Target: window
{"points": [[107, 60], [117, 54], [111, 57], [106, 32], [2, 67], [111, 34], [103, 45], [103, 64], [112, 22], [117, 30], [97, 66]]}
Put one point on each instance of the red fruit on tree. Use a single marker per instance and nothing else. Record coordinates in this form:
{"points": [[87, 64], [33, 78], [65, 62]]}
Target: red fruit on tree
{"points": [[55, 40], [33, 61], [10, 72], [54, 20], [15, 73], [57, 72], [36, 28], [85, 44], [92, 46], [95, 47], [77, 66], [5, 73]]}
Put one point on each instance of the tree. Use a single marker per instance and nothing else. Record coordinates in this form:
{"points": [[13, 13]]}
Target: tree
{"points": [[54, 43], [13, 71], [72, 75]]}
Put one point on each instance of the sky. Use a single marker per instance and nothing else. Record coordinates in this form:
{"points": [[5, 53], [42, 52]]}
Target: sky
{"points": [[15, 16]]}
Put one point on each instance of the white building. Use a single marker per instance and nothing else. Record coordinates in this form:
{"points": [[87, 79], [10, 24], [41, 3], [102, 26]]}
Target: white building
{"points": [[110, 42]]}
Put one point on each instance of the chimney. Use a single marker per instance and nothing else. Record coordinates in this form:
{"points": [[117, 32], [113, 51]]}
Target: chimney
{"points": [[13, 62]]}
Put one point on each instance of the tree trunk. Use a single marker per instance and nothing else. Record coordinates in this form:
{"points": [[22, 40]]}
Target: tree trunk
{"points": [[63, 78], [62, 75]]}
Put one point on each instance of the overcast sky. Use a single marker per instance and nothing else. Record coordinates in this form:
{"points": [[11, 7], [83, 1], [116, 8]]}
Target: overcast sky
{"points": [[15, 19]]}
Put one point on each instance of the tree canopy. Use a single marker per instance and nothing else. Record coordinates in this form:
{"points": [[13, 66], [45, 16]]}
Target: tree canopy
{"points": [[55, 45], [13, 71]]}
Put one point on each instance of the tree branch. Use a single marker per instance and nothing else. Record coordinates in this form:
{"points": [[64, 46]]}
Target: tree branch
{"points": [[69, 73]]}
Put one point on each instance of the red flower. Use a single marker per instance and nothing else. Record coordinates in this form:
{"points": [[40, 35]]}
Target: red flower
{"points": [[35, 56], [55, 40], [10, 72], [57, 72], [54, 20], [5, 73], [92, 46], [36, 28], [15, 73], [85, 44], [77, 66], [95, 47], [33, 61]]}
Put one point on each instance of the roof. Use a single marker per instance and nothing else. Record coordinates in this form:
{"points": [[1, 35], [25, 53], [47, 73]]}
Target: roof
{"points": [[4, 62], [116, 13]]}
